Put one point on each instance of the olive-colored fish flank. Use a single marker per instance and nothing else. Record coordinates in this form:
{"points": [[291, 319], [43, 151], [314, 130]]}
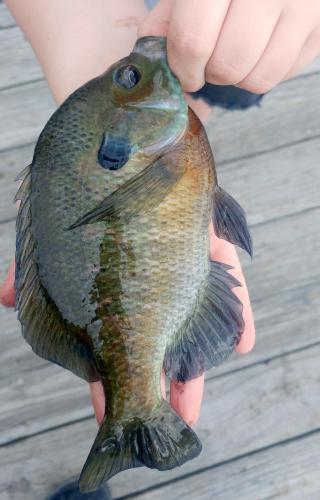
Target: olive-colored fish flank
{"points": [[114, 280]]}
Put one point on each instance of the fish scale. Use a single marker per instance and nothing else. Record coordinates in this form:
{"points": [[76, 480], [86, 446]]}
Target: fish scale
{"points": [[113, 277]]}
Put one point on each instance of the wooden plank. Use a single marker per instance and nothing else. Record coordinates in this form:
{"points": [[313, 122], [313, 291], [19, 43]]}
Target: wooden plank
{"points": [[281, 249], [289, 265], [285, 317], [24, 112], [242, 412], [271, 185], [285, 116], [37, 396], [287, 253], [289, 471], [29, 374], [18, 63], [6, 19], [275, 184], [234, 134]]}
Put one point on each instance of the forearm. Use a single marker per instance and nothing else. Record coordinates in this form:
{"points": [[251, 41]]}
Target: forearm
{"points": [[78, 40]]}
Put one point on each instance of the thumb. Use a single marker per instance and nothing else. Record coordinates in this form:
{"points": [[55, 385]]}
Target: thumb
{"points": [[7, 288], [98, 400], [157, 21]]}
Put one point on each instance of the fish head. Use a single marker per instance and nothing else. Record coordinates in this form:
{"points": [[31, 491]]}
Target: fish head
{"points": [[146, 112]]}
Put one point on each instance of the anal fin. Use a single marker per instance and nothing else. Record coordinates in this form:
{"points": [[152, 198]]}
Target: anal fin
{"points": [[229, 220], [212, 331]]}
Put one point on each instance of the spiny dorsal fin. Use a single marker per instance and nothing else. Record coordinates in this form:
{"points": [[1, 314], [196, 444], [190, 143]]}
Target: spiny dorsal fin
{"points": [[42, 325], [23, 173]]}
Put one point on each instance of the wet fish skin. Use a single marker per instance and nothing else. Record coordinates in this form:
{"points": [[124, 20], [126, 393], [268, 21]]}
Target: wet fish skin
{"points": [[113, 276]]}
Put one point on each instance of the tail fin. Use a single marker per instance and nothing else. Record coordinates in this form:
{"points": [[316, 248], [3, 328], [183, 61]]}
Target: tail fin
{"points": [[161, 441]]}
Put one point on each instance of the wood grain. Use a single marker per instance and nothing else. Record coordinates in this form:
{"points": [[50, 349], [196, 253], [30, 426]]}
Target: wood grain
{"points": [[255, 408], [18, 63], [24, 112], [268, 159], [286, 472], [276, 123], [286, 307], [6, 19], [36, 396], [268, 186]]}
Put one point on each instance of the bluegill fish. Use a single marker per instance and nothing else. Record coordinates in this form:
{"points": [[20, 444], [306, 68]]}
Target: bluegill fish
{"points": [[113, 277]]}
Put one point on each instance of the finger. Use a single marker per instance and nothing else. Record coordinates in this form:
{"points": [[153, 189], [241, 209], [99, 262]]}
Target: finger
{"points": [[98, 400], [163, 384], [200, 107], [193, 31], [223, 251], [245, 34], [186, 398], [279, 56], [309, 51], [157, 22], [7, 297]]}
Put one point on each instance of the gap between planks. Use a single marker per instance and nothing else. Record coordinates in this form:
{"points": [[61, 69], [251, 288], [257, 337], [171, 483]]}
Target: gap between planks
{"points": [[235, 470], [267, 410], [270, 186], [211, 377]]}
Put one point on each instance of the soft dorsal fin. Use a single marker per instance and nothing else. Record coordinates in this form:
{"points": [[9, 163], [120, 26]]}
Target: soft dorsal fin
{"points": [[42, 325], [229, 220], [212, 331]]}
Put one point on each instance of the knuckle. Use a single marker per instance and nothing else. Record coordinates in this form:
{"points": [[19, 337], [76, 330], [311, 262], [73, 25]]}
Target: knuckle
{"points": [[224, 71], [257, 86], [191, 85], [190, 79], [185, 44]]}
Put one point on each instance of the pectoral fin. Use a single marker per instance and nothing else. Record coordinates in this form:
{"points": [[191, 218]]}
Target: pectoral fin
{"points": [[140, 194], [42, 325], [229, 220]]}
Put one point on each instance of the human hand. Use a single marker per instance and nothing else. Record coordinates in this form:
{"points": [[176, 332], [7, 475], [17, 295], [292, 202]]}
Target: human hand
{"points": [[184, 398], [7, 287], [253, 45]]}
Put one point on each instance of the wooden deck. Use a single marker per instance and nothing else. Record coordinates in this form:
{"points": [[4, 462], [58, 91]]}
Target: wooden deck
{"points": [[260, 423]]}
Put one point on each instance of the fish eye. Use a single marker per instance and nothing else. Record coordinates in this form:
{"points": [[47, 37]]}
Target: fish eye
{"points": [[127, 76]]}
